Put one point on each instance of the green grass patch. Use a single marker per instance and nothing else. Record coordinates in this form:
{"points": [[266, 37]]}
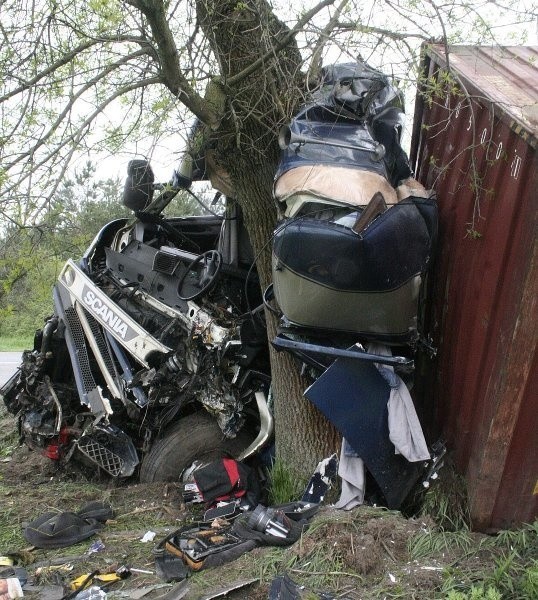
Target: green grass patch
{"points": [[284, 486], [436, 542], [11, 538], [9, 440], [446, 501], [482, 567], [16, 343]]}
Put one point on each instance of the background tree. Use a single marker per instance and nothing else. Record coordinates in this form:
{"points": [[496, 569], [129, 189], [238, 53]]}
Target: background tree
{"points": [[105, 73], [31, 257]]}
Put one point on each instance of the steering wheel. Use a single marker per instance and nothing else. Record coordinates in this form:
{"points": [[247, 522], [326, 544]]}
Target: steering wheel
{"points": [[200, 275]]}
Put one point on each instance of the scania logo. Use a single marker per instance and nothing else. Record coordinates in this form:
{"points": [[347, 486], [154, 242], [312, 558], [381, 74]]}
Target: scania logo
{"points": [[107, 315]]}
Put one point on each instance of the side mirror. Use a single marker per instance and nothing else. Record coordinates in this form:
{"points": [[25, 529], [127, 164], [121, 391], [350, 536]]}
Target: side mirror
{"points": [[138, 190]]}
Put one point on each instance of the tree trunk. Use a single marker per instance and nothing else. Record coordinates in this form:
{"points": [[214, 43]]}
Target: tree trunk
{"points": [[252, 110]]}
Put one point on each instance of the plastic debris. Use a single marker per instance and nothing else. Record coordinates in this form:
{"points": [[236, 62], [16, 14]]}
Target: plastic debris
{"points": [[149, 536], [97, 546], [321, 480], [6, 561], [91, 593]]}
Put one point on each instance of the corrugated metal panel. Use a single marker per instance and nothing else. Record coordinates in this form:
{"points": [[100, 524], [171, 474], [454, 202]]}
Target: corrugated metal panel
{"points": [[475, 141]]}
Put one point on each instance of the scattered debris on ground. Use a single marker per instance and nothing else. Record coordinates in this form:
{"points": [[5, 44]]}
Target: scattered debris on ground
{"points": [[365, 553]]}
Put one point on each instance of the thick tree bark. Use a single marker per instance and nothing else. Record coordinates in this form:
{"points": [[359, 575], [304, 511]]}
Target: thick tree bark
{"points": [[246, 146]]}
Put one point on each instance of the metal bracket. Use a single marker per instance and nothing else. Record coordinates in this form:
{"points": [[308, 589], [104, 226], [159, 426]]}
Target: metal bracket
{"points": [[281, 343]]}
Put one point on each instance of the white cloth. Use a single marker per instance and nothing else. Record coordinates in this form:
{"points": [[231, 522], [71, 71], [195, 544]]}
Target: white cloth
{"points": [[351, 471], [405, 431]]}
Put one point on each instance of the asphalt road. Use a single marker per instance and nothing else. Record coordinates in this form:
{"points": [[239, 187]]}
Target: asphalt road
{"points": [[9, 361]]}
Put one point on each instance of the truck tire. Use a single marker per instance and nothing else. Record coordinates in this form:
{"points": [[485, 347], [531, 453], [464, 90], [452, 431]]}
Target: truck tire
{"points": [[196, 437]]}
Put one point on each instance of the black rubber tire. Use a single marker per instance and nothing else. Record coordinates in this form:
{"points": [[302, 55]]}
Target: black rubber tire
{"points": [[194, 437]]}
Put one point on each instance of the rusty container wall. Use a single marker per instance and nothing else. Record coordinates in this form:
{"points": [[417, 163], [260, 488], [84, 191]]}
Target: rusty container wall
{"points": [[475, 143]]}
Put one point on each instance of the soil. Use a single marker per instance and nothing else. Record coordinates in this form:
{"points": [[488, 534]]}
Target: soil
{"points": [[358, 554]]}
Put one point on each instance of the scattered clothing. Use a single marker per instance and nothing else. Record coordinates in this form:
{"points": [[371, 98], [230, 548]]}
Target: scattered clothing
{"points": [[351, 471], [405, 431]]}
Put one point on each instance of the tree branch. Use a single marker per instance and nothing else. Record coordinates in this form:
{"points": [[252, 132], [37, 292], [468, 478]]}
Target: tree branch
{"points": [[68, 57], [101, 75], [393, 35], [172, 75], [315, 63], [120, 92]]}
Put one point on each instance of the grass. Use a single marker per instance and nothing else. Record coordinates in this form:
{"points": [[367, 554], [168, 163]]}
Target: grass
{"points": [[510, 577], [446, 501], [485, 567], [16, 344], [436, 542], [482, 567], [9, 440], [368, 552], [10, 531], [283, 485]]}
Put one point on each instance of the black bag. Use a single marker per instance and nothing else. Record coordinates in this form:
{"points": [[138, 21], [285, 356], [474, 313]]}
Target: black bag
{"points": [[202, 545], [226, 480]]}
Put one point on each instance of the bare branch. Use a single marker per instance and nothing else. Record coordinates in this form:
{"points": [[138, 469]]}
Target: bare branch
{"points": [[69, 57], [100, 76], [70, 138], [388, 33], [65, 59], [172, 75], [315, 64], [445, 38]]}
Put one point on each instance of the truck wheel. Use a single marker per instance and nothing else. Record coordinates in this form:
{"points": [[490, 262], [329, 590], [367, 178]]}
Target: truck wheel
{"points": [[196, 437]]}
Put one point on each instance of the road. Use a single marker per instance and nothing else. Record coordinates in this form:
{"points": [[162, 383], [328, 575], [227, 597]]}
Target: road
{"points": [[9, 361]]}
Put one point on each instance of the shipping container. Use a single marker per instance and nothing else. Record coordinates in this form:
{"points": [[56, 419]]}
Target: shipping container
{"points": [[475, 143]]}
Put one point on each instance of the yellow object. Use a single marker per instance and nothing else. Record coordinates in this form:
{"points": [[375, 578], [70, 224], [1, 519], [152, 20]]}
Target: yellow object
{"points": [[77, 583], [5, 561]]}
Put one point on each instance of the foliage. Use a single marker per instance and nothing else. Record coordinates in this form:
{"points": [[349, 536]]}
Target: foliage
{"points": [[104, 76], [475, 593], [509, 567], [15, 343]]}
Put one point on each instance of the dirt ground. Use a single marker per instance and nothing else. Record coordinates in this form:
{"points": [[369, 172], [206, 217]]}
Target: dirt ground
{"points": [[364, 553]]}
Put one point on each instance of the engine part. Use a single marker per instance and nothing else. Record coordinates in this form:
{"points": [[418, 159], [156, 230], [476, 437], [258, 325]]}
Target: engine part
{"points": [[270, 521]]}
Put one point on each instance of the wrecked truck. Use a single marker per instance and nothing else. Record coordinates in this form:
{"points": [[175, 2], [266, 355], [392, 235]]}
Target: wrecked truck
{"points": [[155, 360]]}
